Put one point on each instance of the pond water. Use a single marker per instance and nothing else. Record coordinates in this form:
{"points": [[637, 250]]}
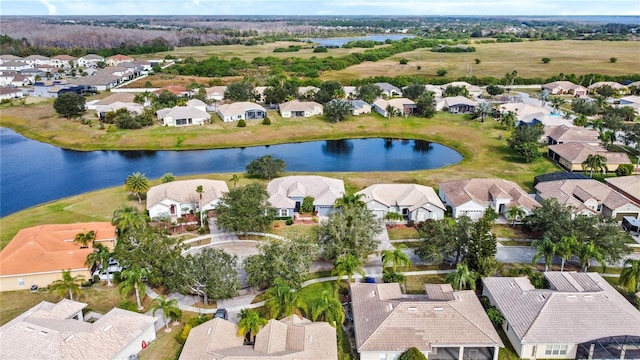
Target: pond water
{"points": [[337, 42], [32, 172]]}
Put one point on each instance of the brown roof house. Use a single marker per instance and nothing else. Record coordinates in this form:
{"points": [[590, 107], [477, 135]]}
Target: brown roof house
{"points": [[571, 156], [565, 87], [293, 337], [59, 331], [178, 198], [472, 197], [580, 316], [571, 134], [287, 193], [628, 186], [400, 106], [457, 105], [443, 324], [415, 202], [296, 108], [588, 197], [37, 255]]}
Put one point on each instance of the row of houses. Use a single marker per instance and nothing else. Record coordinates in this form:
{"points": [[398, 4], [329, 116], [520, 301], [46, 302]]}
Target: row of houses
{"points": [[62, 61], [564, 87]]}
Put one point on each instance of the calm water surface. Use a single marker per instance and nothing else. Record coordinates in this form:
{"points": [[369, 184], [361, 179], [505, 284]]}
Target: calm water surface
{"points": [[32, 172], [343, 40]]}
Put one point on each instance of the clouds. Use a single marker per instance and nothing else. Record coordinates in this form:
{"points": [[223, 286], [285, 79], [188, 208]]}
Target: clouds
{"points": [[319, 7]]}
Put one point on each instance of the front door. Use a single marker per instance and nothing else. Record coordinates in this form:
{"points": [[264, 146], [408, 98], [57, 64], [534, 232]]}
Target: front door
{"points": [[297, 208]]}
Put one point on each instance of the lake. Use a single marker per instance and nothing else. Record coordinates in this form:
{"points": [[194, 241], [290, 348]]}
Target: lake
{"points": [[32, 172], [337, 42]]}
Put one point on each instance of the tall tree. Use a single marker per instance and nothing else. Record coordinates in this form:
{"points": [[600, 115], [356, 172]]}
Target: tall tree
{"points": [[200, 191], [508, 120], [68, 284], [462, 278], [482, 243], [266, 167], [348, 265], [85, 238], [566, 248], [595, 162], [282, 300], [397, 258], [250, 324], [351, 200], [337, 110], [245, 209], [557, 102], [234, 179], [413, 91], [327, 308], [543, 96], [100, 256], [69, 105], [426, 104], [137, 184], [553, 220], [630, 275], [328, 90], [443, 238], [167, 307], [127, 218], [240, 91], [368, 92], [132, 279], [588, 251], [168, 177], [514, 213], [483, 110], [544, 248], [352, 230]]}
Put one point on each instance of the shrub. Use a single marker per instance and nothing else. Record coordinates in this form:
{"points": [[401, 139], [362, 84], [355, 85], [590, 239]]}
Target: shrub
{"points": [[202, 230], [181, 337], [478, 61], [389, 276], [412, 353], [242, 123], [538, 281], [404, 61], [418, 67], [495, 316], [624, 170], [613, 59], [546, 60], [127, 305], [266, 121], [320, 49], [289, 221], [441, 72], [111, 129], [411, 223]]}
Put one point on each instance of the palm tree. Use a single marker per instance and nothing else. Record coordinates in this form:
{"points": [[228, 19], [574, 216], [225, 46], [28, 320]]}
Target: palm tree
{"points": [[169, 309], [543, 96], [580, 120], [235, 178], [137, 183], [132, 279], [200, 191], [353, 200], [327, 308], [588, 251], [630, 275], [167, 178], [84, 238], [396, 258], [509, 120], [282, 300], [514, 213], [127, 218], [250, 323], [347, 265], [391, 111], [597, 124], [484, 109], [100, 255], [68, 283], [566, 248], [462, 278], [593, 162], [607, 137], [557, 102], [545, 248]]}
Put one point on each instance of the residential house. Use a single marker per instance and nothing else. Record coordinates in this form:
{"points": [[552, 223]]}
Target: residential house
{"points": [[115, 102], [436, 90], [632, 101], [15, 66], [198, 104], [90, 60], [621, 89], [216, 92], [589, 197], [350, 92], [63, 61], [573, 134], [244, 110], [259, 93], [37, 60], [389, 90], [580, 316], [457, 105], [473, 90], [442, 324], [359, 107], [571, 156], [10, 92], [175, 90], [628, 186], [18, 80], [182, 116], [178, 198], [101, 80], [118, 59], [60, 331], [415, 202], [53, 89], [36, 255], [296, 108], [533, 114], [293, 337], [287, 193], [400, 106], [472, 197], [8, 57], [307, 92], [565, 87]]}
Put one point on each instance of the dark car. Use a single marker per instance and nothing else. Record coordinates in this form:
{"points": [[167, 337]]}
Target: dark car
{"points": [[369, 280], [221, 313]]}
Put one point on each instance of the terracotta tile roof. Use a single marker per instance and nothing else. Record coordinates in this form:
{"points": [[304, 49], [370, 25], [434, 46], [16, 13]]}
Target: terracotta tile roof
{"points": [[120, 57], [567, 134], [576, 153], [47, 248], [582, 190], [411, 195], [585, 300], [387, 320], [184, 191], [460, 192], [324, 190], [216, 90], [565, 85]]}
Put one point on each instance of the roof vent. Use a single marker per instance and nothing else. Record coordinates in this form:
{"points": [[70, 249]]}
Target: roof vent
{"points": [[209, 331], [438, 309], [310, 339], [412, 309], [571, 297], [106, 328], [30, 329], [43, 333], [373, 293], [68, 339], [541, 296], [390, 306]]}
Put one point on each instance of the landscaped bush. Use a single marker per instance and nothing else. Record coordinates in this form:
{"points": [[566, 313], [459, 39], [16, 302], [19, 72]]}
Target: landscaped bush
{"points": [[495, 316], [289, 221], [128, 305], [441, 72], [266, 121], [242, 123], [624, 170], [320, 49]]}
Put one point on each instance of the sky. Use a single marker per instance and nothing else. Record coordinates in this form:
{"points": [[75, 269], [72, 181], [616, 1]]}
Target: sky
{"points": [[320, 7]]}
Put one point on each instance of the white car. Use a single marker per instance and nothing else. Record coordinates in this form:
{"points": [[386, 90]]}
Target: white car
{"points": [[113, 267]]}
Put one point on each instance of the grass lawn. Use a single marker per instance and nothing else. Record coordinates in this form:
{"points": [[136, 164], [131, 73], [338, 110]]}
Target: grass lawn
{"points": [[508, 353], [292, 231], [511, 232], [409, 244], [415, 283], [402, 232]]}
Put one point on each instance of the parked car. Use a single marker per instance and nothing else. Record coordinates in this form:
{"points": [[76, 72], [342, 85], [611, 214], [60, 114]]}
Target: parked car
{"points": [[369, 280], [221, 313]]}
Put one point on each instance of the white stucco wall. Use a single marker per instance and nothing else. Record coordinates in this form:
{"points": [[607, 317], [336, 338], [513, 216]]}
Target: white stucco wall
{"points": [[148, 335]]}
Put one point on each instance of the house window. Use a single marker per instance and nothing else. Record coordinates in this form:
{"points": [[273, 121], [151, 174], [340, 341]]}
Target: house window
{"points": [[284, 212], [20, 281], [382, 356], [556, 350]]}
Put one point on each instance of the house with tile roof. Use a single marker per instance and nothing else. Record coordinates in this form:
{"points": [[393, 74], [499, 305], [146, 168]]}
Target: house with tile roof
{"points": [[90, 60], [63, 61], [401, 106], [293, 337], [37, 255], [178, 198], [8, 57], [573, 134], [243, 110], [118, 59], [580, 316], [565, 87], [588, 197], [472, 197], [216, 92], [473, 90], [628, 186], [571, 155], [287, 193], [9, 92], [182, 116], [457, 105], [37, 60], [415, 202], [388, 90], [442, 324], [359, 107], [621, 89], [297, 108], [59, 331]]}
